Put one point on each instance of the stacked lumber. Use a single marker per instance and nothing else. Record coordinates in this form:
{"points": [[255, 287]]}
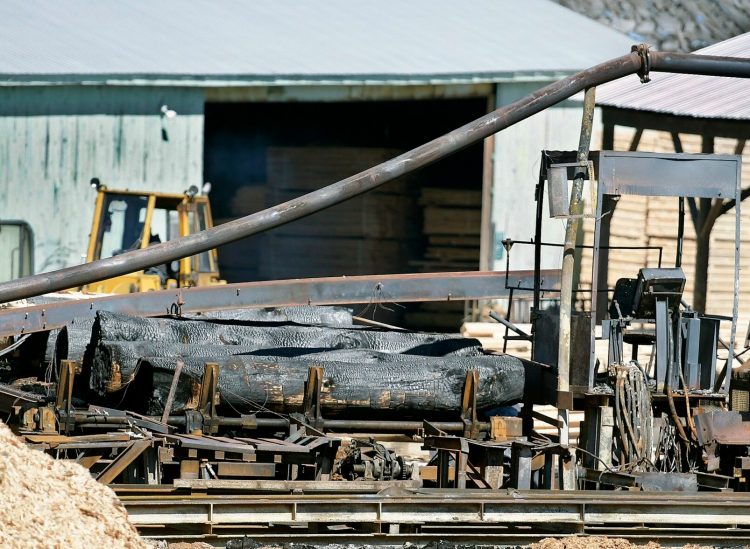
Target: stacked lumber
{"points": [[451, 220], [451, 223], [373, 233], [239, 261]]}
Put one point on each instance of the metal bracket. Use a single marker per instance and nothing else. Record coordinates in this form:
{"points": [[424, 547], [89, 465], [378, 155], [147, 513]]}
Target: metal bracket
{"points": [[175, 309], [469, 404], [64, 398], [643, 52], [209, 397], [311, 404]]}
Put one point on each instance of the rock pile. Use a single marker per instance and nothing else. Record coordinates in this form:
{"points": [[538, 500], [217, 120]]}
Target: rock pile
{"points": [[669, 25]]}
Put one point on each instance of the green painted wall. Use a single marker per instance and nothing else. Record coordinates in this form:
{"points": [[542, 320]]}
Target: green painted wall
{"points": [[53, 140], [516, 171]]}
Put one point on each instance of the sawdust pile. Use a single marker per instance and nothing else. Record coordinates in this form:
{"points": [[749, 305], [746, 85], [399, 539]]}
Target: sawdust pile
{"points": [[54, 503], [589, 542]]}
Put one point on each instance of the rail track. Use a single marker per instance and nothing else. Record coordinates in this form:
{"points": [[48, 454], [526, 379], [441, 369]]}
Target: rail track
{"points": [[395, 515]]}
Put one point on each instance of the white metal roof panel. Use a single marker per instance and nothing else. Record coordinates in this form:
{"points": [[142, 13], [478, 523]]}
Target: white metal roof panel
{"points": [[286, 39], [687, 94]]}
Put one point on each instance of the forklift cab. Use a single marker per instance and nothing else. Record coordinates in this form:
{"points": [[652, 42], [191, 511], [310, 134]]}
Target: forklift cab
{"points": [[126, 220]]}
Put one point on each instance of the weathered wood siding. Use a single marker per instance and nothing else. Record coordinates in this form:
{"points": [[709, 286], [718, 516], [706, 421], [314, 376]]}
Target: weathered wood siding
{"points": [[53, 140]]}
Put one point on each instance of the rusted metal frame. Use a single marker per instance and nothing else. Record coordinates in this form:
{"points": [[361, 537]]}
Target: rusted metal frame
{"points": [[446, 446], [469, 404], [311, 401], [736, 303], [172, 390], [64, 396], [119, 464], [412, 287], [208, 398], [699, 516], [539, 197], [91, 420], [564, 398], [611, 478], [520, 465]]}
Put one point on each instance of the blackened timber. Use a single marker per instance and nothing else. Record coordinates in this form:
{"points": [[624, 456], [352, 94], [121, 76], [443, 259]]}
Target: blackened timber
{"points": [[119, 341], [409, 385]]}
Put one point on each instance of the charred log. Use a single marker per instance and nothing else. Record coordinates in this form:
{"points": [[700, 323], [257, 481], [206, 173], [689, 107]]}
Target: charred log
{"points": [[72, 341], [308, 315], [118, 327], [375, 382], [118, 342]]}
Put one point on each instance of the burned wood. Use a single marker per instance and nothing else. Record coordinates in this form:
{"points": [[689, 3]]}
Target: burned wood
{"points": [[118, 342], [117, 327], [308, 315], [407, 385]]}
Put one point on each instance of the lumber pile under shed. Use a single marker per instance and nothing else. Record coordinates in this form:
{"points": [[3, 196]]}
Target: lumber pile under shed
{"points": [[451, 224], [451, 220], [266, 364]]}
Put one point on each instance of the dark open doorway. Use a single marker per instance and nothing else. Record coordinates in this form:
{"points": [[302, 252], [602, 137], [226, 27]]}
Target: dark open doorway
{"points": [[260, 154]]}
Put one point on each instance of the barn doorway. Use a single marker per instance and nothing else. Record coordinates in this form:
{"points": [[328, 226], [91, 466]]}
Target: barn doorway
{"points": [[261, 154]]}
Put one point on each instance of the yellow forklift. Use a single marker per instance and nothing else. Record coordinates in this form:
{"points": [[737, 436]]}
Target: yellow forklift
{"points": [[126, 220]]}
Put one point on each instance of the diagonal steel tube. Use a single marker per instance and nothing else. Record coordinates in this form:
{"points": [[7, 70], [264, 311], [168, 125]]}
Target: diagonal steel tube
{"points": [[362, 182]]}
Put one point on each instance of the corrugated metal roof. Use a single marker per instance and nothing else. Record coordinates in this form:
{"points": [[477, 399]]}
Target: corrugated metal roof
{"points": [[283, 39], [687, 94]]}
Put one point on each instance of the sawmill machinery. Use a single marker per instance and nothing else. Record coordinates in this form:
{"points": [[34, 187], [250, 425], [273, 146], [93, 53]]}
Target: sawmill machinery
{"points": [[665, 412]]}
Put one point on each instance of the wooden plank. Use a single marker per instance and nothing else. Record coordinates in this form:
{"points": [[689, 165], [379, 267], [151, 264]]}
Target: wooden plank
{"points": [[453, 240], [368, 216], [454, 197], [292, 257], [452, 221], [248, 199], [445, 253], [310, 168]]}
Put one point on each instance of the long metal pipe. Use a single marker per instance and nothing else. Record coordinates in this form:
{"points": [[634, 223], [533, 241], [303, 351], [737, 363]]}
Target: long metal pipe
{"points": [[362, 182]]}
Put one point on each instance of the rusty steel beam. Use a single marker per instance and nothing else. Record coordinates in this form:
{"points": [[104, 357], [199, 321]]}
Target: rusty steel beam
{"points": [[277, 293], [424, 155]]}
